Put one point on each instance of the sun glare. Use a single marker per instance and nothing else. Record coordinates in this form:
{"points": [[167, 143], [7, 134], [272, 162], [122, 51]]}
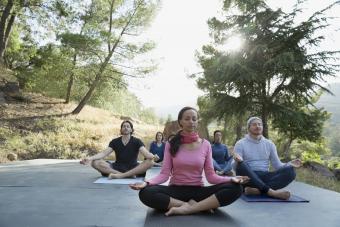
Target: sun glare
{"points": [[234, 43]]}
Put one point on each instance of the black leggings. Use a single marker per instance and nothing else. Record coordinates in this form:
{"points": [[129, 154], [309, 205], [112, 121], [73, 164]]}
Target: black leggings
{"points": [[158, 196]]}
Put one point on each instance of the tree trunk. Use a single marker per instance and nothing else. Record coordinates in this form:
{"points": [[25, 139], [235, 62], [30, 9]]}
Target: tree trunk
{"points": [[238, 128], [69, 88], [224, 134], [265, 124], [264, 112], [286, 149], [93, 85], [70, 82], [4, 28], [9, 29], [87, 96]]}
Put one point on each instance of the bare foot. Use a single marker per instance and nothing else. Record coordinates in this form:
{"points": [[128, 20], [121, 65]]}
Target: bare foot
{"points": [[219, 172], [251, 191], [230, 174], [182, 210], [115, 176], [119, 176], [192, 202], [279, 194]]}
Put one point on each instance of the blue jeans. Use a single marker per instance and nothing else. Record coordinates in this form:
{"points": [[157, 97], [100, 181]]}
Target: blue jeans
{"points": [[264, 180], [225, 167]]}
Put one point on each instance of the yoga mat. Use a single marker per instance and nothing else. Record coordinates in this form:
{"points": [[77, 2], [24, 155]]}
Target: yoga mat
{"points": [[152, 172], [265, 198], [105, 180], [203, 219]]}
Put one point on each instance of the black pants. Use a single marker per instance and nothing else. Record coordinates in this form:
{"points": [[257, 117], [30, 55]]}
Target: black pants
{"points": [[158, 196], [264, 180], [122, 168]]}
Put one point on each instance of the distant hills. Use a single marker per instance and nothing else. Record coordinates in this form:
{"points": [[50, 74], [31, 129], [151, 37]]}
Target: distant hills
{"points": [[331, 103]]}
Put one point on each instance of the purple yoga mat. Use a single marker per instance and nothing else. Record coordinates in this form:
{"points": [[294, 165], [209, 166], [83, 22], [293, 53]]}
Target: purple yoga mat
{"points": [[265, 198]]}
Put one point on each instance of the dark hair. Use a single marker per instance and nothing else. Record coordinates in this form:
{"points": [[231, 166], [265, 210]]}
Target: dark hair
{"points": [[175, 142], [157, 134], [171, 136], [130, 123], [216, 131]]}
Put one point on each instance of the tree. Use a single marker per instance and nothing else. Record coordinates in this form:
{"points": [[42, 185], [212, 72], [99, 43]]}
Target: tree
{"points": [[209, 112], [18, 11], [304, 123], [276, 69], [79, 45], [120, 20], [6, 24]]}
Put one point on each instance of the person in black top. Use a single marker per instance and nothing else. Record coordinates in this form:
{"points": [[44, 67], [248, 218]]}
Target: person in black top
{"points": [[126, 148]]}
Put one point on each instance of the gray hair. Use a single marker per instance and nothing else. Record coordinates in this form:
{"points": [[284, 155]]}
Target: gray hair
{"points": [[251, 119]]}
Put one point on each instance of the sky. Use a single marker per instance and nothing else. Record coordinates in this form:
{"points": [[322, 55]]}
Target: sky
{"points": [[179, 30]]}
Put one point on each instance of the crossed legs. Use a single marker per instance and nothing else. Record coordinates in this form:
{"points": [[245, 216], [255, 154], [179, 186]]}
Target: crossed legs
{"points": [[189, 199], [267, 182], [104, 168]]}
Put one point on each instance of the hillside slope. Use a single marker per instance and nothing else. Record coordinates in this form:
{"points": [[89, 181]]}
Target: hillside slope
{"points": [[40, 127]]}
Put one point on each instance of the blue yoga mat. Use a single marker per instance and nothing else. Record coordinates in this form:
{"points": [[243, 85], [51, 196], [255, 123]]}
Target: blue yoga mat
{"points": [[265, 198]]}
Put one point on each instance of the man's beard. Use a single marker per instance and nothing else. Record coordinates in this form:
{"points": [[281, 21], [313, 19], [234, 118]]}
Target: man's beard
{"points": [[125, 133]]}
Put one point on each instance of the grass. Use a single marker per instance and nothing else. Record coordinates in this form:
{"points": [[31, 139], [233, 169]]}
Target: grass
{"points": [[68, 137], [314, 178]]}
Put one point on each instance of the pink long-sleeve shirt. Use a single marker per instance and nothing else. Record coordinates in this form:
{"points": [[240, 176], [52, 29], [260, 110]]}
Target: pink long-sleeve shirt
{"points": [[187, 166]]}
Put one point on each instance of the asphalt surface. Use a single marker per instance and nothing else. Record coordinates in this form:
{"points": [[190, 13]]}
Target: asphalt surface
{"points": [[45, 193]]}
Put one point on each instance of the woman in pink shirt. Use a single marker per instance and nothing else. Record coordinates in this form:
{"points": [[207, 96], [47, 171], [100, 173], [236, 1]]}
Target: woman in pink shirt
{"points": [[185, 158]]}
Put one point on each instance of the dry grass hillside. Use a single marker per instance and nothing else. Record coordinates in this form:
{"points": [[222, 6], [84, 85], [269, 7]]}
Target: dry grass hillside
{"points": [[40, 127]]}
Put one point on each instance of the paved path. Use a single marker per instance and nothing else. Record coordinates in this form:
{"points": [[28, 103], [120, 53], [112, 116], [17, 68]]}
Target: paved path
{"points": [[63, 195]]}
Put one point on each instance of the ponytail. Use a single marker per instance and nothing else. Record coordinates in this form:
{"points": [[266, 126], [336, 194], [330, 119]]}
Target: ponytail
{"points": [[175, 143]]}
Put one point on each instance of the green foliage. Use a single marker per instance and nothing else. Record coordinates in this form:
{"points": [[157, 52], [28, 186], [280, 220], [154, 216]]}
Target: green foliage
{"points": [[50, 74], [302, 123], [20, 49], [123, 102], [311, 156], [78, 42], [333, 163], [310, 151], [89, 56], [273, 75]]}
